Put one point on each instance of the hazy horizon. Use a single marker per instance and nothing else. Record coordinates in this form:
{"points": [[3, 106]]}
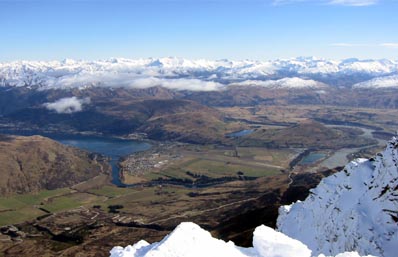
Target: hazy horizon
{"points": [[193, 59]]}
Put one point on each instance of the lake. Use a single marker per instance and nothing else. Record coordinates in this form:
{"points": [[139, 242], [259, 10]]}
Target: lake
{"points": [[241, 133], [114, 148], [312, 158], [111, 147]]}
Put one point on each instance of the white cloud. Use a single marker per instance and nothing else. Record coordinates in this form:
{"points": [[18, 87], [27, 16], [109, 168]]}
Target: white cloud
{"points": [[130, 80], [389, 45], [67, 105], [200, 75], [282, 83], [175, 84], [348, 45], [354, 2], [283, 2], [332, 2], [191, 84]]}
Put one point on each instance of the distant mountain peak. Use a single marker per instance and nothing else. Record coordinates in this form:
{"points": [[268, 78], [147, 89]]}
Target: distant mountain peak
{"points": [[138, 73], [379, 82]]}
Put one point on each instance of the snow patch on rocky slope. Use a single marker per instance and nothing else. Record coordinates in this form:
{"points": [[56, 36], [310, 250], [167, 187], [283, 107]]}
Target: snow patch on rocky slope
{"points": [[380, 82], [353, 210], [290, 83]]}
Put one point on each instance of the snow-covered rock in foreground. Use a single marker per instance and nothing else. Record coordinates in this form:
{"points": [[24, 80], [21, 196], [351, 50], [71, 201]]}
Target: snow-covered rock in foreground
{"points": [[189, 240], [353, 210], [268, 242]]}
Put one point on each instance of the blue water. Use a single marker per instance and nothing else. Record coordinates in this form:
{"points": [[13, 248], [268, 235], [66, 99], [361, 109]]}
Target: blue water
{"points": [[312, 158], [110, 147], [241, 133], [113, 148]]}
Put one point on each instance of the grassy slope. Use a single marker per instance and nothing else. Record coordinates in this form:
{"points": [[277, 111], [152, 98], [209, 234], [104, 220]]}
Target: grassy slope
{"points": [[30, 164], [307, 134]]}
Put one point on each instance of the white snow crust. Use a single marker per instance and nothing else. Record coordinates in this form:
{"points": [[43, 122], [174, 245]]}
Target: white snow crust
{"points": [[353, 210], [189, 240], [294, 82], [184, 74]]}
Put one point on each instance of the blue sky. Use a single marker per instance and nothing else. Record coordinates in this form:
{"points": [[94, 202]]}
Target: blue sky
{"points": [[211, 29]]}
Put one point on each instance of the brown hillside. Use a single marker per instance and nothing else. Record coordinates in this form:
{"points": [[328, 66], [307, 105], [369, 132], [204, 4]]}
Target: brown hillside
{"points": [[30, 164], [307, 134]]}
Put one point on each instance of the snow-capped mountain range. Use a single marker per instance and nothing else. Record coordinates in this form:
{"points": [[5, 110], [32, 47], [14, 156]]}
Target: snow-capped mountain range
{"points": [[355, 209], [197, 75], [379, 82], [351, 213]]}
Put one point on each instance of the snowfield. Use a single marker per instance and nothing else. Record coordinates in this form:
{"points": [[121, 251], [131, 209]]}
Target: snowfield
{"points": [[194, 75], [355, 209], [189, 240]]}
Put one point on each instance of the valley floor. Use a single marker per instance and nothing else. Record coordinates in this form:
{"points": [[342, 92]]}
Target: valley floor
{"points": [[227, 188]]}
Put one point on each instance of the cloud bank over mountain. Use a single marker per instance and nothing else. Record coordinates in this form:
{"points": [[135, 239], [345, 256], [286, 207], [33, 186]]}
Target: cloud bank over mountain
{"points": [[193, 75], [189, 240], [283, 83]]}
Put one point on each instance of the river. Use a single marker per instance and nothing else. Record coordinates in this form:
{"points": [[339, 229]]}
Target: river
{"points": [[240, 133], [113, 148], [339, 158]]}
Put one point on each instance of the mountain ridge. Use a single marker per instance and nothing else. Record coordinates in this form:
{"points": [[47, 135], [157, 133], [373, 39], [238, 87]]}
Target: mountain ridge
{"points": [[350, 213], [31, 164], [188, 239], [185, 74], [352, 210]]}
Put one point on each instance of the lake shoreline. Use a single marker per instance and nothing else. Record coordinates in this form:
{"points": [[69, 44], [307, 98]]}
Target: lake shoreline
{"points": [[111, 147]]}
